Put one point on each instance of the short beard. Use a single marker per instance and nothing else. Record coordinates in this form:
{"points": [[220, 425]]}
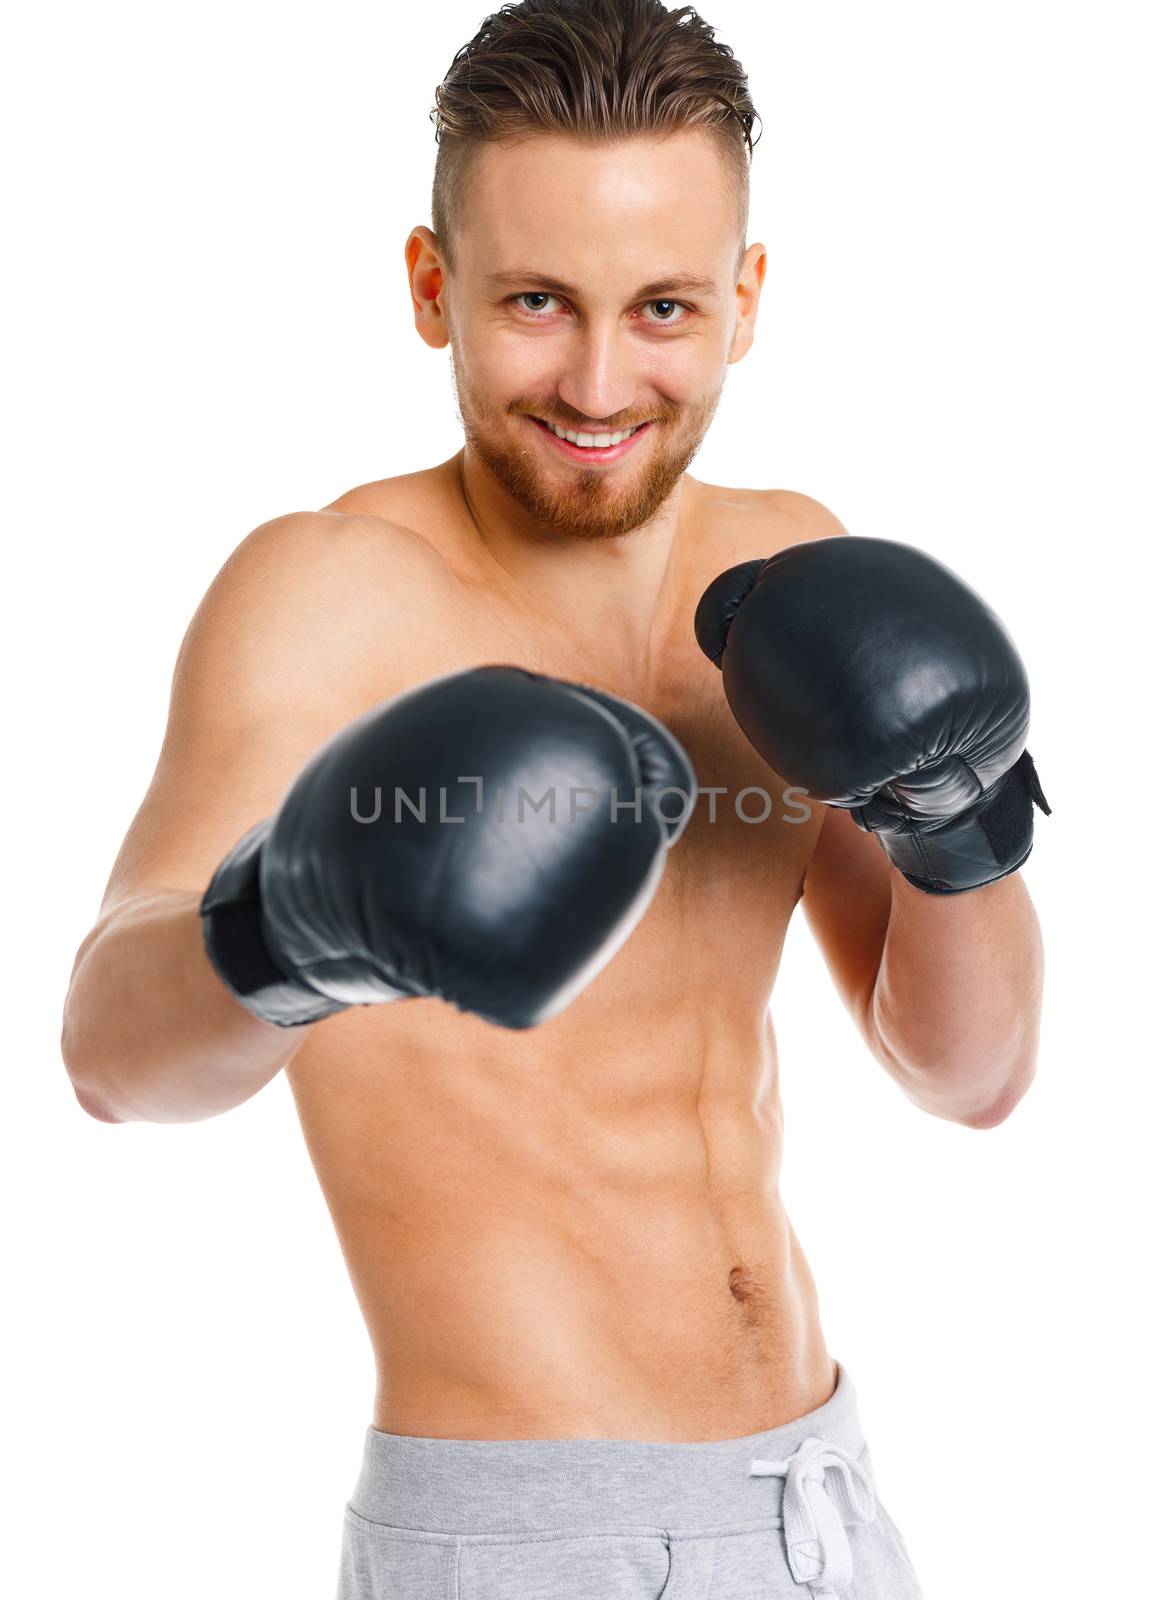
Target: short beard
{"points": [[587, 506]]}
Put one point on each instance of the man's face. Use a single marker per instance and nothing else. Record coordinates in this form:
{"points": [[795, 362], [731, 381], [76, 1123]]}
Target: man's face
{"points": [[570, 305]]}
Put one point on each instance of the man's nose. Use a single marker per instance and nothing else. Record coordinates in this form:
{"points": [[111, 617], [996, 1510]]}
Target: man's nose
{"points": [[599, 380]]}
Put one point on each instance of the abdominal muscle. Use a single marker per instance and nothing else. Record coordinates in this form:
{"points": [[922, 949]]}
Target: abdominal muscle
{"points": [[552, 1235]]}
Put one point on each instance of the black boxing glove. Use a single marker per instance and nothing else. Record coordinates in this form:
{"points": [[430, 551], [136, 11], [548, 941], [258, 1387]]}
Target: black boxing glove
{"points": [[867, 673], [416, 854]]}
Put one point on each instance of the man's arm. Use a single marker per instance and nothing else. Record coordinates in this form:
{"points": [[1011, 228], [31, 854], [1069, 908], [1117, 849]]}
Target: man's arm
{"points": [[945, 989], [309, 621]]}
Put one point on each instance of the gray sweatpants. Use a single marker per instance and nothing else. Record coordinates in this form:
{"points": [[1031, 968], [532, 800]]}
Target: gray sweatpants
{"points": [[779, 1515]]}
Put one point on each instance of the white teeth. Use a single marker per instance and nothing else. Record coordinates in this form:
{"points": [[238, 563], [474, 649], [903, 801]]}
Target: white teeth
{"points": [[592, 441]]}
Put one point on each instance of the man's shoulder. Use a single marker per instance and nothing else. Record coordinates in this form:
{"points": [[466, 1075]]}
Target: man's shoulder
{"points": [[745, 524], [334, 544], [331, 567], [799, 516], [319, 595]]}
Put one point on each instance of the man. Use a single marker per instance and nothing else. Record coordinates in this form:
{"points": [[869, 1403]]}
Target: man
{"points": [[537, 1079]]}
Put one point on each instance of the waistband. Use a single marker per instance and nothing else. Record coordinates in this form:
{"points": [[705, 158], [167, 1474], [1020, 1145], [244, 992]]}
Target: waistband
{"points": [[800, 1475]]}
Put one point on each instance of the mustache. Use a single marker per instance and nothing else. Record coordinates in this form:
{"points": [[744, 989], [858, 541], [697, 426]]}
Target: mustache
{"points": [[580, 425]]}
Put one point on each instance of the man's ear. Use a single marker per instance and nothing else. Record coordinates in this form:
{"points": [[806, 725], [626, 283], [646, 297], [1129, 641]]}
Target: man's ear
{"points": [[426, 282], [752, 276]]}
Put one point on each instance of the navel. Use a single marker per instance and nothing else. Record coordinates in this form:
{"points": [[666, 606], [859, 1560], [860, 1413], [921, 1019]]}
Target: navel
{"points": [[742, 1284]]}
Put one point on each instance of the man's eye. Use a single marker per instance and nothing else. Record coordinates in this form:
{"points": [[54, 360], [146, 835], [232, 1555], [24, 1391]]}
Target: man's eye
{"points": [[672, 304], [664, 318], [531, 295]]}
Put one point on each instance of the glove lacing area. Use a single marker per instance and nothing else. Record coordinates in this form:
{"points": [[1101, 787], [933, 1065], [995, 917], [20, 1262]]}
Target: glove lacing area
{"points": [[825, 1489], [663, 765], [719, 605]]}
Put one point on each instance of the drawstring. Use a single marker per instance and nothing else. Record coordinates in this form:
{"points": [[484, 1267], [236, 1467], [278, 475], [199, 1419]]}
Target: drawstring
{"points": [[825, 1488]]}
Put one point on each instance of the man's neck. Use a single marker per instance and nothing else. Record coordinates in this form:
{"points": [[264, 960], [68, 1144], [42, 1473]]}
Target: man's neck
{"points": [[598, 590]]}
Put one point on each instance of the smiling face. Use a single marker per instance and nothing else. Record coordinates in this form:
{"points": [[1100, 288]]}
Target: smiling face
{"points": [[595, 289]]}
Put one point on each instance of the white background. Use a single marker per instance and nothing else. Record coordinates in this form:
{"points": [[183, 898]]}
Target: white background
{"points": [[207, 325]]}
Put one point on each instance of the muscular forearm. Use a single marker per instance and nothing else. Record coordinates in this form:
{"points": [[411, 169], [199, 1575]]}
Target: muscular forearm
{"points": [[956, 1005], [150, 1033]]}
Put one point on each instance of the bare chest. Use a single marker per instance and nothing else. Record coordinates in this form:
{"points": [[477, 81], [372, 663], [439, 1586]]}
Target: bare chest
{"points": [[712, 937]]}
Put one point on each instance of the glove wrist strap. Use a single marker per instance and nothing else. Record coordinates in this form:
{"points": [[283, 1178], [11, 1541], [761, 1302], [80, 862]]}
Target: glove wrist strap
{"points": [[235, 940], [987, 841]]}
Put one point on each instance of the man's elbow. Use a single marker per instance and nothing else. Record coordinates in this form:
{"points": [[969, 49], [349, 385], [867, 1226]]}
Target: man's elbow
{"points": [[993, 1115], [95, 1106], [952, 1094], [88, 1098]]}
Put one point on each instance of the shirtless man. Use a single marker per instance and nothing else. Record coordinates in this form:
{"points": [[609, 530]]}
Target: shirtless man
{"points": [[569, 1231]]}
